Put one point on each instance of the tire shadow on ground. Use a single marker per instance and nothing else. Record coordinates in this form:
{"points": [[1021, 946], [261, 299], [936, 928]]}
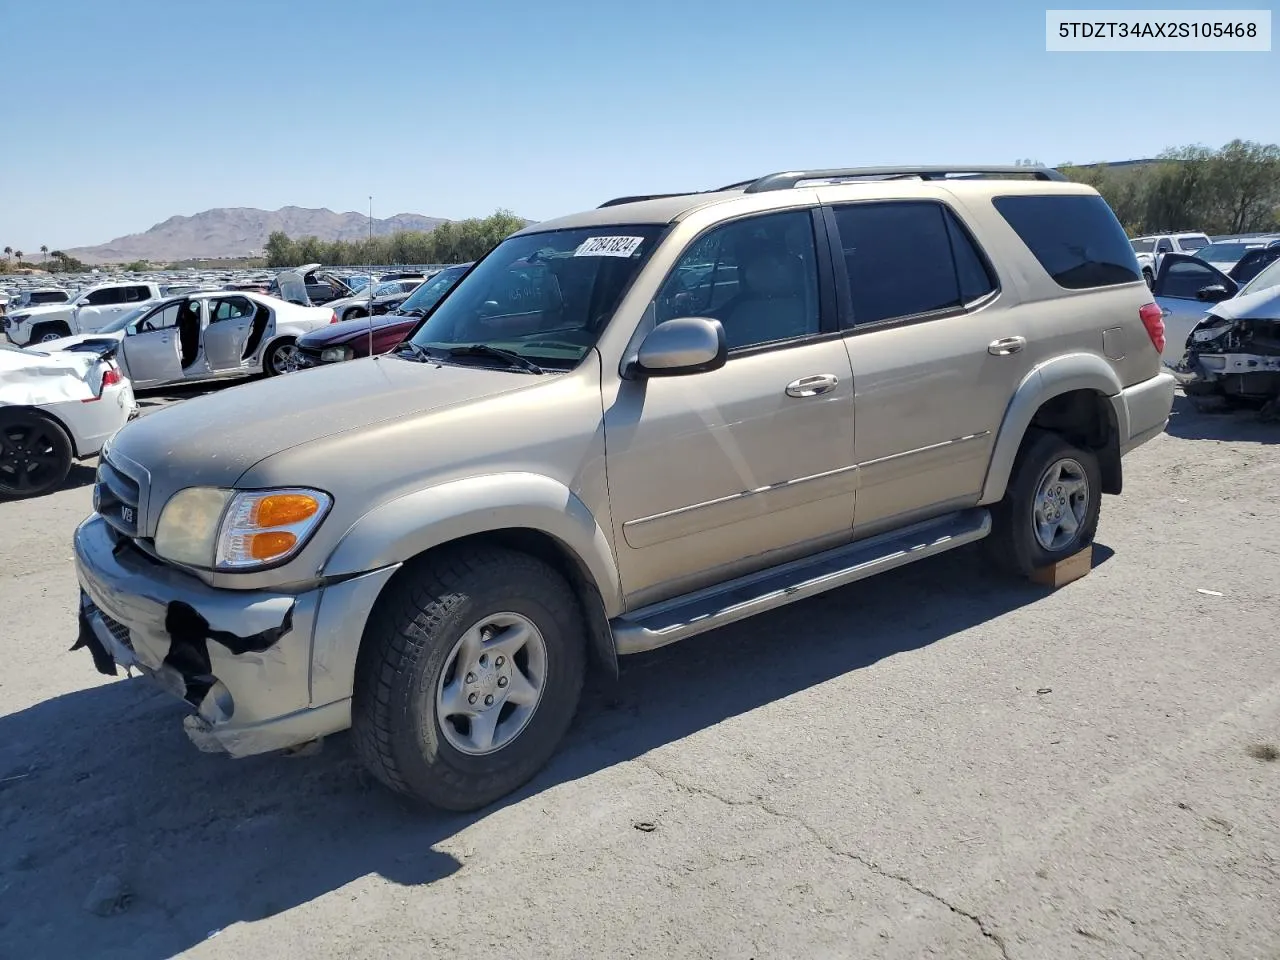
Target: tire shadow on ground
{"points": [[103, 781]]}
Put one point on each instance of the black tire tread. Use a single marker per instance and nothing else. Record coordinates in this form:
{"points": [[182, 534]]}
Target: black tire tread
{"points": [[61, 434], [402, 632], [1006, 548]]}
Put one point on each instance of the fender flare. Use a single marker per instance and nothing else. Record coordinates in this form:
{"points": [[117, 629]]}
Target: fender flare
{"points": [[416, 522], [1063, 374]]}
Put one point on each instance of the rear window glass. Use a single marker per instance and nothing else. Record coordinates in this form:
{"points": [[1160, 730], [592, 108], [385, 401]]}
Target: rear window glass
{"points": [[1077, 239]]}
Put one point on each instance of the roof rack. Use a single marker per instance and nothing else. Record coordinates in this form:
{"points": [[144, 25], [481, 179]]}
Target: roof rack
{"points": [[788, 180], [616, 201]]}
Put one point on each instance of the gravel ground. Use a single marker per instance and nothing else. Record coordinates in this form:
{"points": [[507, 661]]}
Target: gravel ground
{"points": [[935, 763]]}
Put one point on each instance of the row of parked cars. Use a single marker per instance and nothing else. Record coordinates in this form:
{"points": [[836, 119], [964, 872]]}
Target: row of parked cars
{"points": [[62, 393]]}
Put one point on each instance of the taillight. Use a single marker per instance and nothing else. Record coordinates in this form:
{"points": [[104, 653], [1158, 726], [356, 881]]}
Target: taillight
{"points": [[333, 316], [1153, 319], [110, 377]]}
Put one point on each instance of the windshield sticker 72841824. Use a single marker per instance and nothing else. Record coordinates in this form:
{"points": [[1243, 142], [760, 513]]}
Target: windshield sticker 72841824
{"points": [[608, 246]]}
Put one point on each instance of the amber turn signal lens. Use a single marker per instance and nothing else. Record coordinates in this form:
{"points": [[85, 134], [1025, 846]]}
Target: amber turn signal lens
{"points": [[268, 546], [284, 509]]}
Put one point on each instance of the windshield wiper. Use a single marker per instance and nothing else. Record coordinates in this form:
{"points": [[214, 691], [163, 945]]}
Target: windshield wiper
{"points": [[416, 352], [511, 358]]}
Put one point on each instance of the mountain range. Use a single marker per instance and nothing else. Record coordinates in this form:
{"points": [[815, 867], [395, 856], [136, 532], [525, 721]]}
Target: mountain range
{"points": [[242, 232]]}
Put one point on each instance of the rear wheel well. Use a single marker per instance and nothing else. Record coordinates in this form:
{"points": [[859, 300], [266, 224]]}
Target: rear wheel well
{"points": [[60, 327], [559, 557], [1087, 419]]}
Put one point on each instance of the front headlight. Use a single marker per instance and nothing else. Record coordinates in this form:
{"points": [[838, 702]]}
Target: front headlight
{"points": [[230, 530], [333, 354], [18, 318]]}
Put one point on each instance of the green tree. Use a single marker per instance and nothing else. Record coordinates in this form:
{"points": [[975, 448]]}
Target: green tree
{"points": [[1245, 184], [44, 253]]}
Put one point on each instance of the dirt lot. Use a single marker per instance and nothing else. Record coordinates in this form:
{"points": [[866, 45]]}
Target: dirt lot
{"points": [[934, 763]]}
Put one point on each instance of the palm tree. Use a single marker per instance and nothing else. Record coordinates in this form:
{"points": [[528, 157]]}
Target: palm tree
{"points": [[44, 253], [8, 252], [18, 255]]}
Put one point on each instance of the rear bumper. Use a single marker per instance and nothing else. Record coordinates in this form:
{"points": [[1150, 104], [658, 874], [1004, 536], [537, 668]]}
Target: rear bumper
{"points": [[264, 670], [1142, 410]]}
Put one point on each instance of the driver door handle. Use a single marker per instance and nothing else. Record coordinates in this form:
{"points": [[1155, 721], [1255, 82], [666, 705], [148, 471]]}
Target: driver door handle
{"points": [[1007, 346], [812, 386]]}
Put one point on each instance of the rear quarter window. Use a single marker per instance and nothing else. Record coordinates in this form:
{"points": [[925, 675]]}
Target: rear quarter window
{"points": [[1077, 239]]}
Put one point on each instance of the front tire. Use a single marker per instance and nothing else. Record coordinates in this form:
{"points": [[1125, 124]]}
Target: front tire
{"points": [[1051, 507], [35, 453], [468, 676], [46, 332]]}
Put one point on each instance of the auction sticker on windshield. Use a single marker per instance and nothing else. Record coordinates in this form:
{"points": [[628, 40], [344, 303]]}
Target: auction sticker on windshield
{"points": [[608, 246]]}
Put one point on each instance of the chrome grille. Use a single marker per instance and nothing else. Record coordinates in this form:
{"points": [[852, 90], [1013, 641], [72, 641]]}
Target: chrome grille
{"points": [[116, 497]]}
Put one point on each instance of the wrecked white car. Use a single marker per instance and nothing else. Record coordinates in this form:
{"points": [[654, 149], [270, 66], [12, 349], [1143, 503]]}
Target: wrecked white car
{"points": [[54, 409], [1234, 351], [204, 336]]}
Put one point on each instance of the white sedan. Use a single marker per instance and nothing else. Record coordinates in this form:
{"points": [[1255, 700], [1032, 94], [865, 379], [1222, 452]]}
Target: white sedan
{"points": [[205, 335], [55, 408]]}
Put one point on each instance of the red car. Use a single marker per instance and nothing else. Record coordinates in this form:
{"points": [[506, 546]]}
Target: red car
{"points": [[366, 336]]}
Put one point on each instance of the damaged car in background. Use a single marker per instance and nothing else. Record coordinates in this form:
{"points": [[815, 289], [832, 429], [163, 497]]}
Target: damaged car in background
{"points": [[204, 336], [55, 409], [1234, 351]]}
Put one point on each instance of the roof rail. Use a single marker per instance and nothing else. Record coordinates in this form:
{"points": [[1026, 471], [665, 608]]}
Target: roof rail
{"points": [[790, 179], [616, 201]]}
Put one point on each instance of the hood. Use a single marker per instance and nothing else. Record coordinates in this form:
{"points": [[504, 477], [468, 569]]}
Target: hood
{"points": [[43, 309], [1261, 305], [212, 440], [345, 330]]}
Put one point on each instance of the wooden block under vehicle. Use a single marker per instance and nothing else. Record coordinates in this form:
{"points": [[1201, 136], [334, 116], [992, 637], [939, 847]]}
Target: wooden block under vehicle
{"points": [[1064, 571]]}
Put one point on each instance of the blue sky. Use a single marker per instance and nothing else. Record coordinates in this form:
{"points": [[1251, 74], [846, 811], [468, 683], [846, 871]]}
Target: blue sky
{"points": [[122, 114]]}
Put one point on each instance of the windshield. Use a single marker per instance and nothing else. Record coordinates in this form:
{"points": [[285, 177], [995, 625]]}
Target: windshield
{"points": [[1269, 277], [1193, 243], [428, 294], [119, 323], [1224, 252], [543, 296], [1142, 246]]}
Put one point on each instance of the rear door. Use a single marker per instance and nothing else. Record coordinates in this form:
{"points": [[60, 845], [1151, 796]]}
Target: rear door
{"points": [[230, 323], [1185, 287], [150, 350], [936, 354]]}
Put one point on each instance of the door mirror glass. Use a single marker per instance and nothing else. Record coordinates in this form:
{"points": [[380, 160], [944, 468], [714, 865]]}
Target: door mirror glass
{"points": [[683, 346], [1213, 293]]}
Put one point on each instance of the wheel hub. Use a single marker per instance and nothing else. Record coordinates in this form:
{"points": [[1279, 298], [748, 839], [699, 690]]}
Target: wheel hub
{"points": [[1060, 505], [491, 684]]}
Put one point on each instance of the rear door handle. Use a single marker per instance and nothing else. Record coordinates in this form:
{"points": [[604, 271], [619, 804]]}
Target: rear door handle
{"points": [[1002, 348], [812, 386]]}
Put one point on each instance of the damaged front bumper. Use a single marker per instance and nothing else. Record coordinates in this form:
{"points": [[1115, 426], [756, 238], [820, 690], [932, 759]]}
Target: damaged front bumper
{"points": [[264, 670]]}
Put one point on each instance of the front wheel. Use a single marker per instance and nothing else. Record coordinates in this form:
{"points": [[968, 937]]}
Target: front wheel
{"points": [[282, 357], [1050, 509], [468, 676]]}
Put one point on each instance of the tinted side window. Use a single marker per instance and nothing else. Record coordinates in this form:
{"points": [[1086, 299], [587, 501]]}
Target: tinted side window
{"points": [[1077, 239], [1164, 246], [1184, 279], [106, 298], [48, 298], [757, 276], [137, 294], [907, 258]]}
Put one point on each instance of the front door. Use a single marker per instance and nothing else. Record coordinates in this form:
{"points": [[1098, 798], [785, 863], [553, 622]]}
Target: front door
{"points": [[1185, 287], [150, 349], [721, 473], [99, 307], [230, 323], [936, 355]]}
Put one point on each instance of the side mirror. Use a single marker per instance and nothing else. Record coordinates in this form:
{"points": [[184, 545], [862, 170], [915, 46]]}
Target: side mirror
{"points": [[1213, 293], [683, 346]]}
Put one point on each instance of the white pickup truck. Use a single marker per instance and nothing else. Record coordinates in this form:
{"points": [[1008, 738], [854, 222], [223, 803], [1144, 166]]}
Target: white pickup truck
{"points": [[87, 312], [1150, 249]]}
